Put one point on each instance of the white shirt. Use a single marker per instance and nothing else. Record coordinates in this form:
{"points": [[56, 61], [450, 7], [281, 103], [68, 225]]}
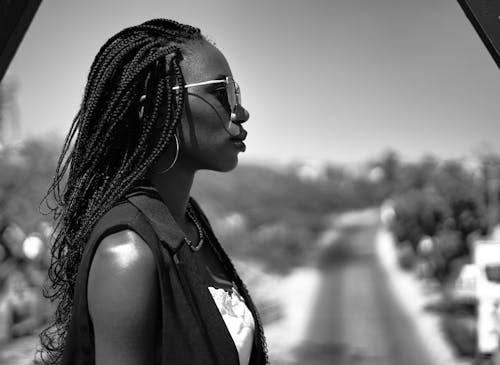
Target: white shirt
{"points": [[238, 318]]}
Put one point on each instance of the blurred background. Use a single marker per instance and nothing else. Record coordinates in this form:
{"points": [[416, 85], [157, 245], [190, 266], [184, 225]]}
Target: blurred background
{"points": [[372, 169]]}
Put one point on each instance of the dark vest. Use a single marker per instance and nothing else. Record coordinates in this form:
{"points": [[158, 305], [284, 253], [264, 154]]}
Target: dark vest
{"points": [[193, 331]]}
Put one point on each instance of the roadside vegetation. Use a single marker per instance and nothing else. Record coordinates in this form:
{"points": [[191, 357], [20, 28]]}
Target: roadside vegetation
{"points": [[437, 212]]}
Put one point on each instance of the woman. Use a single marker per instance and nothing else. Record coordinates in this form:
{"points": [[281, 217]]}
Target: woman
{"points": [[137, 270]]}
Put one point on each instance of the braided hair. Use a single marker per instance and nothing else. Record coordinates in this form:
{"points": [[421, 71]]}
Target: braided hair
{"points": [[114, 147]]}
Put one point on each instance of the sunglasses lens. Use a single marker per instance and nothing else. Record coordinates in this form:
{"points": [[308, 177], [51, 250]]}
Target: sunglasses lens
{"points": [[231, 95], [237, 93]]}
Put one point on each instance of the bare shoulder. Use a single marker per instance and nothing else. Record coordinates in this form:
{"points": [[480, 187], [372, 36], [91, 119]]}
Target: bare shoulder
{"points": [[123, 264], [124, 298], [123, 250]]}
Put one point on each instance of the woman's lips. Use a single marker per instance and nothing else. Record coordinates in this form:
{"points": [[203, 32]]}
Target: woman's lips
{"points": [[239, 144], [238, 140]]}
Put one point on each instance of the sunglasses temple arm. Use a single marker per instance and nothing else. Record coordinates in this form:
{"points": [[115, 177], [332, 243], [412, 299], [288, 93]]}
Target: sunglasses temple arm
{"points": [[199, 84]]}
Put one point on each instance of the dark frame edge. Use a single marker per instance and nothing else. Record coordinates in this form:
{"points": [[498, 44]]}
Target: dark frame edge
{"points": [[494, 52], [16, 36]]}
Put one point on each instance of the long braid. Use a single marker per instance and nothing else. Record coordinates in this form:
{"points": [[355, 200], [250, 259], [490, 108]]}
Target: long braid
{"points": [[113, 148]]}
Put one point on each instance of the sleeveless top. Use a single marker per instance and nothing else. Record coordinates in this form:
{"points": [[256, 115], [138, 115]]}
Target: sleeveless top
{"points": [[194, 329]]}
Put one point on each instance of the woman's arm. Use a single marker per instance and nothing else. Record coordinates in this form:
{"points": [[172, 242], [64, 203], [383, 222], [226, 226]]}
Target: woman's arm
{"points": [[124, 301]]}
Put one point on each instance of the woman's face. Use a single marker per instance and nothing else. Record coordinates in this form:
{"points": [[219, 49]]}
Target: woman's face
{"points": [[207, 140]]}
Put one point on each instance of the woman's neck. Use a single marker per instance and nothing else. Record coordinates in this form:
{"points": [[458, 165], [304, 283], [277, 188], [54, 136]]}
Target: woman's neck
{"points": [[174, 187]]}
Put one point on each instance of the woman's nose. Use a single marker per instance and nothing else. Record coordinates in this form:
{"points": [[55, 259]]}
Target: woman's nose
{"points": [[242, 115]]}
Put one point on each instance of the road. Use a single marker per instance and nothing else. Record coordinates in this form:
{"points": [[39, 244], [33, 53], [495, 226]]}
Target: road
{"points": [[354, 318]]}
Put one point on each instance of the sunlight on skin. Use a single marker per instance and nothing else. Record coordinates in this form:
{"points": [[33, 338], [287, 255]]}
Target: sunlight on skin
{"points": [[124, 254]]}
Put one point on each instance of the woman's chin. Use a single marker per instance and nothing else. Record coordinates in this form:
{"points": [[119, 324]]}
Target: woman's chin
{"points": [[225, 165]]}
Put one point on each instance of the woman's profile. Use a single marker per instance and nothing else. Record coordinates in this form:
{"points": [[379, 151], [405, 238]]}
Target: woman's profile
{"points": [[139, 276]]}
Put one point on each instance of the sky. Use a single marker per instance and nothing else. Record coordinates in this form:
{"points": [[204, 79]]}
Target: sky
{"points": [[324, 80]]}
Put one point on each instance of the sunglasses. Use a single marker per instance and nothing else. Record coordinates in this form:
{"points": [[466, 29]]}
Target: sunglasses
{"points": [[232, 92]]}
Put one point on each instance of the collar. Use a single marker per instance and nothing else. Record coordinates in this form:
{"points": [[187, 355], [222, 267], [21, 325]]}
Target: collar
{"points": [[148, 201]]}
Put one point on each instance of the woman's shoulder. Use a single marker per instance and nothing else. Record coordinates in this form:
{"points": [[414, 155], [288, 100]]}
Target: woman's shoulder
{"points": [[123, 295], [121, 259], [124, 248]]}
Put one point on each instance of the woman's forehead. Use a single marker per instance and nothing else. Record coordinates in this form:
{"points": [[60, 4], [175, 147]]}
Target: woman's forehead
{"points": [[203, 61]]}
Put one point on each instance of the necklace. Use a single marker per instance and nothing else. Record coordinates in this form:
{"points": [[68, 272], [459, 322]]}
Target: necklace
{"points": [[202, 235], [192, 217]]}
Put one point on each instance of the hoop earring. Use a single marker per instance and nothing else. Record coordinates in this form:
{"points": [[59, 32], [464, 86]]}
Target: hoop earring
{"points": [[175, 158]]}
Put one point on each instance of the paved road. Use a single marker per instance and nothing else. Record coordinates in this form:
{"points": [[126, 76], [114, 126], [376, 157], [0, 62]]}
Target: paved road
{"points": [[355, 318]]}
